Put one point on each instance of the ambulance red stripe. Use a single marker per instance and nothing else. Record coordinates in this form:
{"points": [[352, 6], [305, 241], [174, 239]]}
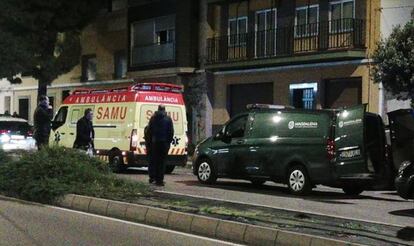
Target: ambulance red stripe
{"points": [[128, 96]]}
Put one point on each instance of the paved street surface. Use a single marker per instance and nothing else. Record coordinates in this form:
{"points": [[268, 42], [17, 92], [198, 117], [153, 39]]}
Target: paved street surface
{"points": [[374, 206], [28, 224]]}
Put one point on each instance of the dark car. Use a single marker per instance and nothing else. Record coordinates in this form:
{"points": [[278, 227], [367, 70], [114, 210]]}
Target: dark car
{"points": [[405, 180], [301, 148], [402, 143]]}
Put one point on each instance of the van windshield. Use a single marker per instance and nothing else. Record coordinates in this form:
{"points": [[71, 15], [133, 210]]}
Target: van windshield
{"points": [[176, 114]]}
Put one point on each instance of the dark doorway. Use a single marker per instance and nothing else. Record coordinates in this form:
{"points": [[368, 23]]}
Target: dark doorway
{"points": [[242, 94], [24, 108], [343, 92]]}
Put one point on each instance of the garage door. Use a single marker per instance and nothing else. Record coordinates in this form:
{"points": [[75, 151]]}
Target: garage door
{"points": [[242, 94], [343, 92]]}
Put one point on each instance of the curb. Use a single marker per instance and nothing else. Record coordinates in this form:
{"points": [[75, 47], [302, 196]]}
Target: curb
{"points": [[195, 224]]}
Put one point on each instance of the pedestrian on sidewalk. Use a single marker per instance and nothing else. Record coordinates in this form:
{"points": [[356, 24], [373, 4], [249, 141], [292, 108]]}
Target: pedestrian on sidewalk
{"points": [[160, 128], [42, 122], [85, 133]]}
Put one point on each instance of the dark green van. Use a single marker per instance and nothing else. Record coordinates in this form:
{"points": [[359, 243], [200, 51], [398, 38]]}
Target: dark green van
{"points": [[301, 148]]}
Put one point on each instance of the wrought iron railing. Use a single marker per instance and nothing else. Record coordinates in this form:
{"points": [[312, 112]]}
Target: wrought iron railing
{"points": [[287, 41]]}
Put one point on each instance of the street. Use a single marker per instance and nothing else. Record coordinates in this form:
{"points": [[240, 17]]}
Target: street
{"points": [[373, 206], [24, 223]]}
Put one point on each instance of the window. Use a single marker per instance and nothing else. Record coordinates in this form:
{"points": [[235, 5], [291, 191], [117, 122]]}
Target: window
{"points": [[306, 21], [152, 41], [237, 31], [89, 64], [303, 95], [154, 31], [266, 32], [65, 94], [61, 115], [120, 65], [341, 14], [165, 36], [237, 127]]}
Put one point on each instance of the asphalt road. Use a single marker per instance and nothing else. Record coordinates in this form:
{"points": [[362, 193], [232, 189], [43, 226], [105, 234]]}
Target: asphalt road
{"points": [[23, 223], [374, 206]]}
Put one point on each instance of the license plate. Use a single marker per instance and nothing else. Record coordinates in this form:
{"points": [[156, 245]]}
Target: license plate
{"points": [[350, 153]]}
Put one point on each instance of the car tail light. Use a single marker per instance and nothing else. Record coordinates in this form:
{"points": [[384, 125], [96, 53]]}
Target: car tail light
{"points": [[330, 149], [134, 140], [30, 133], [4, 131]]}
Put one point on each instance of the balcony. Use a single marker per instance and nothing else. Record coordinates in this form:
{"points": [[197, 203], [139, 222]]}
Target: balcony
{"points": [[316, 38], [158, 53]]}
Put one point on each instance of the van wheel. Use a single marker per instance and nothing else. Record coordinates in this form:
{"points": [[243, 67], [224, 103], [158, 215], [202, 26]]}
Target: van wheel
{"points": [[257, 182], [206, 172], [169, 169], [116, 163], [353, 190], [298, 180]]}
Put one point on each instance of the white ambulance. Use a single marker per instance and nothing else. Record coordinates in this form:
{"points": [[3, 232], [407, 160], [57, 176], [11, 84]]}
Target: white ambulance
{"points": [[120, 116]]}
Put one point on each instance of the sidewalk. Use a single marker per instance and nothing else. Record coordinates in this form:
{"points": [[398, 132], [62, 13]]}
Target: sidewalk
{"points": [[200, 225]]}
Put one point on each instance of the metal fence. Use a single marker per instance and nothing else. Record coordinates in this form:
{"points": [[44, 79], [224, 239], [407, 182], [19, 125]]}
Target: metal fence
{"points": [[287, 41]]}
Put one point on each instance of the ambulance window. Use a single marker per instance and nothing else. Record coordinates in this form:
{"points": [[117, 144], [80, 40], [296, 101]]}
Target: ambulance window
{"points": [[75, 116], [61, 115]]}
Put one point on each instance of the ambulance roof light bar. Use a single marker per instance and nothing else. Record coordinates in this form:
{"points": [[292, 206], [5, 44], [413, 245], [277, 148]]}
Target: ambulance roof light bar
{"points": [[267, 106], [162, 87]]}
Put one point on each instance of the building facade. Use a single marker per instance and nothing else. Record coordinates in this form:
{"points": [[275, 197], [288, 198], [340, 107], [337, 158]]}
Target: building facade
{"points": [[305, 53], [130, 41]]}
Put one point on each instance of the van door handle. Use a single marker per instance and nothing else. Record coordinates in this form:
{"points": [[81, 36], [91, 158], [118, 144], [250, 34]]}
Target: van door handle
{"points": [[62, 133], [72, 133], [241, 141]]}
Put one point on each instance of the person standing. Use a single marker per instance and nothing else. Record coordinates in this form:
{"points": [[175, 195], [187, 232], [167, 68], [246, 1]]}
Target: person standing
{"points": [[85, 133], [42, 119], [160, 128]]}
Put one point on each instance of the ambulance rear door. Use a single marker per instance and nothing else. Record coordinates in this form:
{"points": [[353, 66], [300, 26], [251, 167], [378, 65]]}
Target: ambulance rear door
{"points": [[177, 114]]}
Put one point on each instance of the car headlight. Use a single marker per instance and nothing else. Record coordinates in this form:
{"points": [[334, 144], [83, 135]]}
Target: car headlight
{"points": [[4, 138], [403, 166]]}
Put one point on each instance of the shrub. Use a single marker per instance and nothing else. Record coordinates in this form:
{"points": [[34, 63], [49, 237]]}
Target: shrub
{"points": [[46, 175]]}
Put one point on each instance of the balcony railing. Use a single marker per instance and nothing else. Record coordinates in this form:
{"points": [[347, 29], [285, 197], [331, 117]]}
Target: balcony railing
{"points": [[340, 34], [153, 54]]}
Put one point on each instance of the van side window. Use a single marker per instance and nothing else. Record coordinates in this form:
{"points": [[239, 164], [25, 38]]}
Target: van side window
{"points": [[61, 115], [237, 127]]}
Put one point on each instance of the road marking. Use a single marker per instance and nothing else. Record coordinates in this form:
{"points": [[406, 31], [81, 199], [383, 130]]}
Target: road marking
{"points": [[286, 209], [146, 226]]}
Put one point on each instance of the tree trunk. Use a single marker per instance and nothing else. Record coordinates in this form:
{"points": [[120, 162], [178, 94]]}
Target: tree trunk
{"points": [[42, 88]]}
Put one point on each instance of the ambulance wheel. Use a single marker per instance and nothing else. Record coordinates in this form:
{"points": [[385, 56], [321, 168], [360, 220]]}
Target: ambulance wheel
{"points": [[353, 190], [116, 163], [206, 172], [298, 180], [169, 169]]}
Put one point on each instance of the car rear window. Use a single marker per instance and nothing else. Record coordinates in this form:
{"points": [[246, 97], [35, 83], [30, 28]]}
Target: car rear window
{"points": [[16, 127]]}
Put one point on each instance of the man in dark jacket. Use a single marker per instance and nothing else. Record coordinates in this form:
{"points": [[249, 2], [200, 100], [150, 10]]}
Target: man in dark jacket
{"points": [[42, 117], [84, 131], [160, 128]]}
